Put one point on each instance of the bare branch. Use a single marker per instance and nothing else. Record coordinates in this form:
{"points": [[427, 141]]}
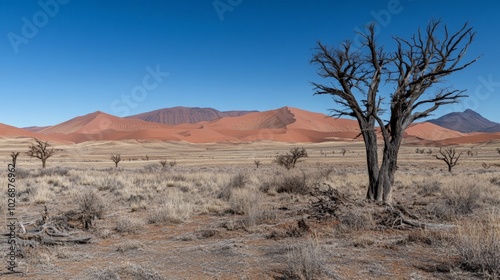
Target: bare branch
{"points": [[40, 150], [449, 156]]}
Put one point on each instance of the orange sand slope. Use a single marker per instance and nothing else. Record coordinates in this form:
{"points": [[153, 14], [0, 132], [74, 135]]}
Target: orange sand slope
{"points": [[285, 124]]}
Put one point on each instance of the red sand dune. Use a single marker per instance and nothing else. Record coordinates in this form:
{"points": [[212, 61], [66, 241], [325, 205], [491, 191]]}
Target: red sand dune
{"points": [[97, 122], [273, 119], [14, 132], [284, 125], [472, 138], [429, 131]]}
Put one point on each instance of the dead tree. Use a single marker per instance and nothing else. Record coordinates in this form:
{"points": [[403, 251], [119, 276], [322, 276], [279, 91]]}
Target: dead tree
{"points": [[498, 150], [408, 74], [41, 151], [343, 151], [116, 159], [14, 156], [257, 163], [288, 160], [450, 156]]}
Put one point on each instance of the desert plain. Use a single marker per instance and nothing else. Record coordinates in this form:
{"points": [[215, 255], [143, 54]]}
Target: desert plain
{"points": [[178, 210]]}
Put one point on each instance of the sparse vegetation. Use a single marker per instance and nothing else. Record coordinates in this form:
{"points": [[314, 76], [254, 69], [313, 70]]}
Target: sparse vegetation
{"points": [[288, 160], [257, 163], [343, 151], [221, 207], [40, 150]]}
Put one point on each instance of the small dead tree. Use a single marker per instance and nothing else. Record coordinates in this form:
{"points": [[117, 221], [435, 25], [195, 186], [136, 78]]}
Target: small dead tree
{"points": [[257, 163], [41, 151], [343, 151], [116, 159], [498, 150], [14, 155], [163, 163], [450, 156], [288, 160]]}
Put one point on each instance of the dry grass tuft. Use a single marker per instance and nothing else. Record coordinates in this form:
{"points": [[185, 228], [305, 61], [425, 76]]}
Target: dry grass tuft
{"points": [[356, 219], [90, 204], [428, 187], [175, 208], [478, 243], [132, 271], [306, 261], [125, 225], [458, 201], [293, 183]]}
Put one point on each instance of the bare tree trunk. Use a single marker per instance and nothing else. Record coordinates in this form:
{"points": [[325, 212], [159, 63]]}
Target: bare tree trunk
{"points": [[370, 140], [44, 162], [388, 168]]}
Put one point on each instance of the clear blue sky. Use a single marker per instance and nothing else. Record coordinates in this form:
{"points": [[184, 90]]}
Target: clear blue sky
{"points": [[80, 56]]}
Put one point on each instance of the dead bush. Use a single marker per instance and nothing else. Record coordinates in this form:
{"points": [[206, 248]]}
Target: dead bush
{"points": [[428, 187], [306, 261], [478, 243], [238, 181], [175, 209], [126, 272], [129, 245], [90, 204], [495, 181], [293, 183], [125, 225], [458, 201], [356, 219]]}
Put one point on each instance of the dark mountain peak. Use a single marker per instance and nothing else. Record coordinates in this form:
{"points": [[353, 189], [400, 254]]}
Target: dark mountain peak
{"points": [[466, 121], [179, 115]]}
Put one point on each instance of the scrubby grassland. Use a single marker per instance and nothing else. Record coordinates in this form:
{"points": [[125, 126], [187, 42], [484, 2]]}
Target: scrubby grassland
{"points": [[215, 215]]}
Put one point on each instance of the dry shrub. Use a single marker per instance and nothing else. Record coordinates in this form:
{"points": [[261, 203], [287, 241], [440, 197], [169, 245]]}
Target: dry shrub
{"points": [[53, 172], [428, 187], [131, 271], [238, 181], [478, 243], [458, 201], [293, 183], [495, 181], [429, 237], [125, 225], [306, 261], [247, 202], [175, 208], [90, 204], [129, 245], [356, 219], [42, 195]]}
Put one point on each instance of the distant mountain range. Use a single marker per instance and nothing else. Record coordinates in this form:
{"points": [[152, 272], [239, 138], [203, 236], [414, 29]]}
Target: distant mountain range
{"points": [[467, 121], [286, 124]]}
